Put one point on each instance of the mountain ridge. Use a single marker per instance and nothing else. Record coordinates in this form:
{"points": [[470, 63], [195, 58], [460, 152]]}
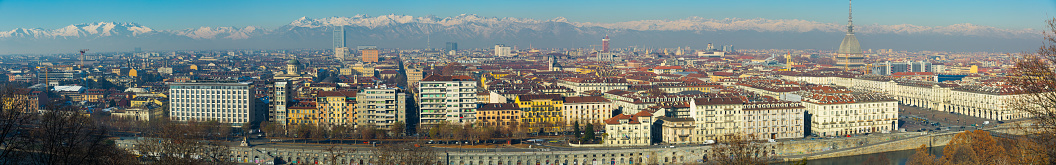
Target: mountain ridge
{"points": [[403, 31]]}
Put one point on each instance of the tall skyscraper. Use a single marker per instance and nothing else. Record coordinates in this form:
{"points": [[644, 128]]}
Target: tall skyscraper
{"points": [[370, 55], [849, 56], [452, 46], [339, 36], [605, 44], [224, 102]]}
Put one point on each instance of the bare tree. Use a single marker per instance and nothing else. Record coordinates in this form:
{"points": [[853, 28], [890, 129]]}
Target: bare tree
{"points": [[398, 129], [64, 135], [403, 154], [742, 149], [15, 113], [182, 144], [333, 153], [1035, 77], [979, 147]]}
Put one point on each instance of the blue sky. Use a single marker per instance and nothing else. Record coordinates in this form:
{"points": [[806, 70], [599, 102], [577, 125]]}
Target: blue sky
{"points": [[183, 14]]}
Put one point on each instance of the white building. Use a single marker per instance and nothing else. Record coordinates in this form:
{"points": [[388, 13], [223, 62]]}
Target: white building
{"points": [[848, 113], [340, 53], [984, 100], [773, 119], [223, 102], [381, 107], [629, 130], [447, 99], [715, 118], [602, 84], [586, 109], [277, 114], [502, 50]]}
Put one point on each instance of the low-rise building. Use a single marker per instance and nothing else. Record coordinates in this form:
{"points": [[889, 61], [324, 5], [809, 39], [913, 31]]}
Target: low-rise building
{"points": [[542, 112], [842, 112], [586, 109], [676, 130], [499, 115], [629, 130]]}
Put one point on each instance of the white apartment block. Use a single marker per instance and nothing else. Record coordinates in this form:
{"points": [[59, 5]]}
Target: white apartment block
{"points": [[602, 84], [586, 109], [447, 99], [381, 107], [773, 119], [715, 118], [984, 100], [987, 102], [629, 130], [277, 114], [223, 102], [847, 114], [502, 50]]}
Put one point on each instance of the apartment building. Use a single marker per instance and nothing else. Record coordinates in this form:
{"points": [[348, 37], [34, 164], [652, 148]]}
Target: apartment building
{"points": [[586, 109], [843, 113], [336, 108], [381, 107], [542, 112], [499, 115], [629, 130], [449, 99], [224, 102]]}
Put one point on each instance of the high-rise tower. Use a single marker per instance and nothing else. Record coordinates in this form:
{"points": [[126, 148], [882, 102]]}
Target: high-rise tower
{"points": [[605, 44], [849, 56], [339, 36]]}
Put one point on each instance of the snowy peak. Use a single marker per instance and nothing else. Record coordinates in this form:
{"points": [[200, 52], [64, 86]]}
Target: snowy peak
{"points": [[99, 29], [471, 24], [219, 32]]}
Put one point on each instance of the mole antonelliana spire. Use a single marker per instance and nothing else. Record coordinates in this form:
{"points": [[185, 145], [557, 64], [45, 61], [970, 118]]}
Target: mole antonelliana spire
{"points": [[849, 56]]}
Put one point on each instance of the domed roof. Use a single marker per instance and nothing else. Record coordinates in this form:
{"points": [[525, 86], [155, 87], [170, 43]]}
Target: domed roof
{"points": [[293, 62], [850, 45]]}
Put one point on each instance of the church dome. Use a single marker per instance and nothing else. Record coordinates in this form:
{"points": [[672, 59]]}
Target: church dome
{"points": [[850, 45]]}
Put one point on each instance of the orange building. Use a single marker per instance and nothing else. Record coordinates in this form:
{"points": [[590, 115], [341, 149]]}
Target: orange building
{"points": [[370, 55]]}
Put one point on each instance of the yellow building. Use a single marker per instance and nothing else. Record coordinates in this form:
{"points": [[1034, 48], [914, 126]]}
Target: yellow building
{"points": [[499, 115], [304, 112], [336, 107], [541, 112], [364, 70]]}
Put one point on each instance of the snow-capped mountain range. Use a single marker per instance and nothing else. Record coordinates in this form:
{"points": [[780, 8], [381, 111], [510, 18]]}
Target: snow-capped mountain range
{"points": [[467, 28], [492, 24]]}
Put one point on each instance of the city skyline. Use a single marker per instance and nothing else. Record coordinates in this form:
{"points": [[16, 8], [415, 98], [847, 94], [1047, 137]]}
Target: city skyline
{"points": [[193, 14]]}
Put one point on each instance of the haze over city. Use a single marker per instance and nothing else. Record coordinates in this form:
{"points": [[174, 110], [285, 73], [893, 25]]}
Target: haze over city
{"points": [[991, 26], [527, 82]]}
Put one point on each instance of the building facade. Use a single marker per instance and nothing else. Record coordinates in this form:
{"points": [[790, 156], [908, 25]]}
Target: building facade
{"points": [[586, 109], [542, 112], [336, 108], [499, 115], [629, 130], [449, 99], [850, 113], [223, 102], [381, 107]]}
